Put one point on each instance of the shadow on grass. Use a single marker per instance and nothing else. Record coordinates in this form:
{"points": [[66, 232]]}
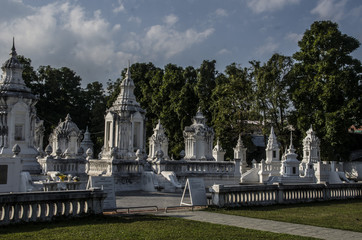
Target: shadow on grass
{"points": [[77, 221]]}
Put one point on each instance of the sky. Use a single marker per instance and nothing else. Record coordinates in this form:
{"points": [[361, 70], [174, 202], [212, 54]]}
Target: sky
{"points": [[96, 38]]}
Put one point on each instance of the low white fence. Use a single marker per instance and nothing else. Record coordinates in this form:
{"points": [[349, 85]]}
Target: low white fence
{"points": [[44, 206], [200, 168], [249, 195]]}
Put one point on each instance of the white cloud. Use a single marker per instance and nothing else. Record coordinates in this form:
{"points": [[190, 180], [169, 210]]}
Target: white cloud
{"points": [[260, 6], [223, 51], [119, 8], [294, 37], [269, 47], [167, 41], [170, 19], [330, 9], [116, 27], [136, 20], [221, 12], [63, 34]]}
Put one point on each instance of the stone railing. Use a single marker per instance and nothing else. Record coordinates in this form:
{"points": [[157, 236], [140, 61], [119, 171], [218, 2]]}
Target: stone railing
{"points": [[66, 165], [122, 167], [127, 167], [98, 166], [230, 196], [200, 168], [45, 206]]}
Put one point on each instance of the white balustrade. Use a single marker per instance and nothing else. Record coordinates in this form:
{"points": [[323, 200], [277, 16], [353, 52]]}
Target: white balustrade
{"points": [[282, 194], [45, 206]]}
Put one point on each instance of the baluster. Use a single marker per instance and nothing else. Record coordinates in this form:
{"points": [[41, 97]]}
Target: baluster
{"points": [[5, 214], [34, 212], [42, 211]]}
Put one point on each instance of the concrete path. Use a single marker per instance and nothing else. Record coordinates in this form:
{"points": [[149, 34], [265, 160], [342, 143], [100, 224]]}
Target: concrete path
{"points": [[267, 225], [163, 200]]}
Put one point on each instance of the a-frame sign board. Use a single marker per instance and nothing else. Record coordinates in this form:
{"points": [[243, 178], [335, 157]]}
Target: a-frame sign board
{"points": [[195, 188]]}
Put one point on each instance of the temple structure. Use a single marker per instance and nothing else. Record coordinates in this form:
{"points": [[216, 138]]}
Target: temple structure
{"points": [[198, 140], [240, 153], [158, 141], [124, 131], [19, 123], [123, 161], [66, 138]]}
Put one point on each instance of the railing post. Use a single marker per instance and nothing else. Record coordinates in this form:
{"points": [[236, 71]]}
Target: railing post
{"points": [[280, 192], [326, 192]]}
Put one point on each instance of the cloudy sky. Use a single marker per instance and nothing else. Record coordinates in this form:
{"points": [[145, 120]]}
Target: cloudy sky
{"points": [[97, 38]]}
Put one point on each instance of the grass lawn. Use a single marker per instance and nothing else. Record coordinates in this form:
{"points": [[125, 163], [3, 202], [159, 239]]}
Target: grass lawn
{"points": [[132, 227], [346, 214]]}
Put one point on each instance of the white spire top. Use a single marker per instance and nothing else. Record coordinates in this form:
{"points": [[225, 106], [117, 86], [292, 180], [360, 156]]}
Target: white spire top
{"points": [[126, 99], [272, 140], [291, 147]]}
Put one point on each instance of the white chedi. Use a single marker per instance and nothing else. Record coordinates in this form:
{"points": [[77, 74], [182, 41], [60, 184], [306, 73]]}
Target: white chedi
{"points": [[290, 165], [218, 152], [124, 131], [198, 139], [19, 123], [311, 150], [158, 141], [272, 150], [66, 138]]}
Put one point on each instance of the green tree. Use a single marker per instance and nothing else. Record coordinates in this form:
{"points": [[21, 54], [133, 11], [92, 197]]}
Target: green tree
{"points": [[168, 98], [231, 103], [272, 101], [326, 91], [206, 75], [95, 102]]}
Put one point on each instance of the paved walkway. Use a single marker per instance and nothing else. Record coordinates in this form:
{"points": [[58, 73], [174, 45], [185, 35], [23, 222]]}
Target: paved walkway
{"points": [[267, 225], [163, 200]]}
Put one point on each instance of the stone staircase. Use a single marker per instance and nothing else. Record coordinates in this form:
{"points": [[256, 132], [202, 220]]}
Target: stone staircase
{"points": [[164, 185]]}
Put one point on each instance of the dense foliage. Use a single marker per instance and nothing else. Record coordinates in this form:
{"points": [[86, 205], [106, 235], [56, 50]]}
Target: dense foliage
{"points": [[319, 86]]}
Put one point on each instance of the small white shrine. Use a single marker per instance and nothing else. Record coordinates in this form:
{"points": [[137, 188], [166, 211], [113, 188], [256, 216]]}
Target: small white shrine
{"points": [[270, 166], [18, 121], [158, 141], [65, 152], [65, 139], [218, 153], [290, 163], [272, 150], [87, 144], [124, 131], [311, 152], [198, 140], [240, 153]]}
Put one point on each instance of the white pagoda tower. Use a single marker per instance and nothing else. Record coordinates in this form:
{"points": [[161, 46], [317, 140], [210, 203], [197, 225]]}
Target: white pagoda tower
{"points": [[18, 120], [125, 128]]}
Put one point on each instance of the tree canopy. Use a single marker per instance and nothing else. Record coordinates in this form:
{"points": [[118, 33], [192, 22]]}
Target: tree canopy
{"points": [[326, 90], [319, 85]]}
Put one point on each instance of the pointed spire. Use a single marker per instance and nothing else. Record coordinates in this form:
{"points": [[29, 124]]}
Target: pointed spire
{"points": [[13, 50], [158, 126], [218, 146], [272, 131], [128, 73], [291, 147], [240, 142], [68, 118]]}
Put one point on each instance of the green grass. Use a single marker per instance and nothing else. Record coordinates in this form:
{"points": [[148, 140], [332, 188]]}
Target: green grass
{"points": [[132, 227], [346, 215]]}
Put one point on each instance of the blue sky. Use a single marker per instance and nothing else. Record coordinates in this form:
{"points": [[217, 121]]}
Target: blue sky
{"points": [[97, 38]]}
